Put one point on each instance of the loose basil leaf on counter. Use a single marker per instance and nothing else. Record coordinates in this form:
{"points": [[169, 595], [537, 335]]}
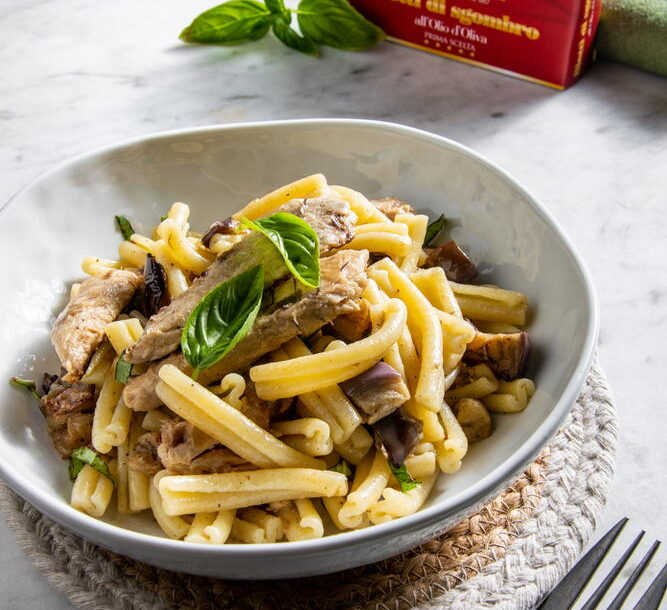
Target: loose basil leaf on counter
{"points": [[296, 241], [343, 467], [278, 9], [123, 369], [230, 23], [85, 456], [403, 476], [221, 319], [433, 230], [26, 384], [336, 24], [291, 38], [125, 226]]}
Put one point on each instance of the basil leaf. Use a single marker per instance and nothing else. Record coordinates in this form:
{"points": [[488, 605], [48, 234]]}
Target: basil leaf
{"points": [[230, 23], [336, 24], [343, 467], [296, 241], [125, 227], [85, 456], [291, 38], [164, 217], [221, 319], [26, 384], [403, 476], [123, 369], [433, 229], [277, 8]]}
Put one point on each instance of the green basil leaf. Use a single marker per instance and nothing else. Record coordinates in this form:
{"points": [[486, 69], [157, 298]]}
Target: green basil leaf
{"points": [[277, 8], [296, 241], [164, 217], [433, 229], [230, 23], [403, 476], [123, 369], [221, 319], [125, 227], [343, 467], [336, 24], [85, 456], [291, 38], [26, 384]]}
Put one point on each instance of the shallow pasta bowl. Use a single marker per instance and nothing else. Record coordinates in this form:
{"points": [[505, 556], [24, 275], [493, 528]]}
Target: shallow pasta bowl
{"points": [[49, 226]]}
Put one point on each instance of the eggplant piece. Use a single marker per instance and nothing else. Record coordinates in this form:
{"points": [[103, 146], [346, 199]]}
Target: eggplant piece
{"points": [[377, 392], [229, 226], [155, 295], [458, 267], [505, 354], [399, 434]]}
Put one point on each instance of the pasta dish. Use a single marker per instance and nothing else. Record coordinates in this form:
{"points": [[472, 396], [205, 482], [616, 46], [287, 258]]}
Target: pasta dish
{"points": [[308, 365]]}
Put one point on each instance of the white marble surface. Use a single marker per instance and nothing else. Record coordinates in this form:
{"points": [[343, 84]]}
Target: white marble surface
{"points": [[77, 74]]}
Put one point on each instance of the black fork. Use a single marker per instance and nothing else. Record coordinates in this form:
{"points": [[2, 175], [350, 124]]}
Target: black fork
{"points": [[569, 589]]}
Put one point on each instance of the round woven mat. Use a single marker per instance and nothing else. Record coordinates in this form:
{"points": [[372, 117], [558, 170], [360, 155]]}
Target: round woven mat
{"points": [[508, 555]]}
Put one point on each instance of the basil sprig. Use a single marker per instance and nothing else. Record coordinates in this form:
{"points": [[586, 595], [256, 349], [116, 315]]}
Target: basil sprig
{"points": [[26, 384], [221, 319], [343, 467], [433, 229], [85, 456], [125, 226], [296, 241], [123, 369], [334, 23], [403, 476]]}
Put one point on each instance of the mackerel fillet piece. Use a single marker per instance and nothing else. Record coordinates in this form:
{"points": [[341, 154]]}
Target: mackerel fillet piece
{"points": [[332, 220], [343, 278], [79, 328]]}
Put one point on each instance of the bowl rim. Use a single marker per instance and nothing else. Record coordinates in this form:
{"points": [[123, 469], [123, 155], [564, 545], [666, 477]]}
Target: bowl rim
{"points": [[100, 531]]}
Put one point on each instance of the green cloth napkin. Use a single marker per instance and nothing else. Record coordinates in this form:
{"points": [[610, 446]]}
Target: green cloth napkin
{"points": [[634, 32]]}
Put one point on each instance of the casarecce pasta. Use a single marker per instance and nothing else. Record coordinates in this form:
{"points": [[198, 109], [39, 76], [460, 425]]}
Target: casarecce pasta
{"points": [[244, 395]]}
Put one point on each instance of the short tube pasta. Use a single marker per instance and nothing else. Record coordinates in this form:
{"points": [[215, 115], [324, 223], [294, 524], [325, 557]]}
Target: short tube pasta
{"points": [[491, 304], [91, 492], [185, 494]]}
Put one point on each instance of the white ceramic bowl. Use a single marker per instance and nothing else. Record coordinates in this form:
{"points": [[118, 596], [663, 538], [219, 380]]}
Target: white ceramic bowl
{"points": [[67, 214]]}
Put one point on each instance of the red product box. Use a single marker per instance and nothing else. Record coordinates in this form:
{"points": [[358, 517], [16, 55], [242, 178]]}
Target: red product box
{"points": [[544, 41]]}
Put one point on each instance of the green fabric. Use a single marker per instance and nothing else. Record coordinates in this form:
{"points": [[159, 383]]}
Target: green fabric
{"points": [[634, 32]]}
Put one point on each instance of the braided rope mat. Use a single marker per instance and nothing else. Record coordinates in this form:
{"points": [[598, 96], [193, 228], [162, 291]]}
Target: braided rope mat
{"points": [[506, 556]]}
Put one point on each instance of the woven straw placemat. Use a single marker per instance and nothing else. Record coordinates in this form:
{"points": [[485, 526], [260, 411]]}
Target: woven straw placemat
{"points": [[507, 555]]}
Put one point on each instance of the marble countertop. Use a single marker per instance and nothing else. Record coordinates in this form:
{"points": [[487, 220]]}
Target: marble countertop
{"points": [[76, 75]]}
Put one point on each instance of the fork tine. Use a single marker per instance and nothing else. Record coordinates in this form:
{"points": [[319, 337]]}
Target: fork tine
{"points": [[603, 587], [569, 588], [653, 595], [617, 602]]}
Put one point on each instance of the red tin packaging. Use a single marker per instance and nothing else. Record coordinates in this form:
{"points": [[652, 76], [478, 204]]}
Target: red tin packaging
{"points": [[544, 41]]}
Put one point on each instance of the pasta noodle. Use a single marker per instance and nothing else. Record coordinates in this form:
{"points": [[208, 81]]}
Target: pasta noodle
{"points": [[310, 186], [185, 494], [491, 303], [91, 492]]}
